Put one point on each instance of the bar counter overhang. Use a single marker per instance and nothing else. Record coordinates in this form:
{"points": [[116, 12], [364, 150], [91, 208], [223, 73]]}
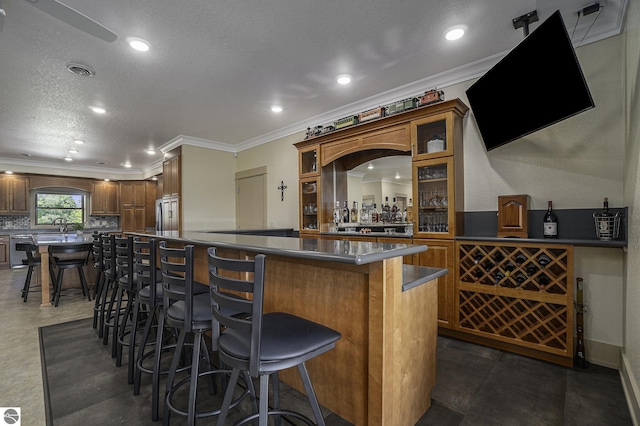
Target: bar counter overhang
{"points": [[383, 369]]}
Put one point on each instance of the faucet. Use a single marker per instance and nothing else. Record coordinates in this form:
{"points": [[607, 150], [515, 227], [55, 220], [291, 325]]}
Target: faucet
{"points": [[63, 224]]}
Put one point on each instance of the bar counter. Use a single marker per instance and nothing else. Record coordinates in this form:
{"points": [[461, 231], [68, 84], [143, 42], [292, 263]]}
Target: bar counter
{"points": [[383, 369]]}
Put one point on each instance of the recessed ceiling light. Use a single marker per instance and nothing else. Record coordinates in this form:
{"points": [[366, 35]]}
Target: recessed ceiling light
{"points": [[98, 110], [9, 172], [127, 165], [343, 79], [68, 159], [73, 150], [78, 142], [151, 151], [397, 175], [370, 166], [107, 179], [276, 108], [138, 44], [154, 178], [455, 33]]}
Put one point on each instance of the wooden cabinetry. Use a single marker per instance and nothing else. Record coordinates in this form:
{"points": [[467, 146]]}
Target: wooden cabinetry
{"points": [[138, 205], [171, 182], [4, 251], [171, 214], [441, 254], [105, 198], [14, 195], [517, 296]]}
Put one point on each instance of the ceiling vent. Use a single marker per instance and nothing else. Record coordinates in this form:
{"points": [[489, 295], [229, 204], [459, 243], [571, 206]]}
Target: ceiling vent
{"points": [[82, 70]]}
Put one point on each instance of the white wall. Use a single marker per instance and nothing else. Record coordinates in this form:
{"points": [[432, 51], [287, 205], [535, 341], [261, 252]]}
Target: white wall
{"points": [[281, 159], [208, 189], [631, 350]]}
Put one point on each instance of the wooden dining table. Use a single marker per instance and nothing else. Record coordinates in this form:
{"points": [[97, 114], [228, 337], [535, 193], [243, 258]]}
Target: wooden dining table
{"points": [[43, 242]]}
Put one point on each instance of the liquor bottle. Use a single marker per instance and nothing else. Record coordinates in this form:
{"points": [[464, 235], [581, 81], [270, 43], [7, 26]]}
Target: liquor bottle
{"points": [[346, 215], [543, 260], [354, 212], [520, 259], [550, 223], [498, 277], [386, 210], [364, 214], [375, 216], [605, 222], [337, 213], [394, 211], [409, 217]]}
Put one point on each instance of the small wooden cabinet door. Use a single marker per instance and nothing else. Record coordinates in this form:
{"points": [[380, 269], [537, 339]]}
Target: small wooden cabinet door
{"points": [[14, 195], [132, 193], [134, 219], [440, 254], [4, 251]]}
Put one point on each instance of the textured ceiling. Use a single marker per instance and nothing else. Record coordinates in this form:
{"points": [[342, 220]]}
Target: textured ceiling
{"points": [[215, 67]]}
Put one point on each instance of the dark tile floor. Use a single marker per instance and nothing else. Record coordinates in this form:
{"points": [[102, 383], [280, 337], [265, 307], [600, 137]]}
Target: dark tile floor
{"points": [[475, 386]]}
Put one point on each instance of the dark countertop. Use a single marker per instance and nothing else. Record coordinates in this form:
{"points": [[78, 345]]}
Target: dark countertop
{"points": [[354, 252], [368, 234], [52, 231], [566, 241]]}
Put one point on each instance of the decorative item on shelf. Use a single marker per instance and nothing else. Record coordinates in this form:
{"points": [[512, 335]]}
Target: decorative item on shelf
{"points": [[400, 106], [346, 122], [607, 224], [371, 114], [307, 188], [513, 216], [436, 144], [431, 97]]}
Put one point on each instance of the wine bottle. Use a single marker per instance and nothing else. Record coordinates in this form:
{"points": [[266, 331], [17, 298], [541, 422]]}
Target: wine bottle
{"points": [[477, 258], [509, 267], [550, 223], [488, 266], [543, 260], [498, 257], [477, 275], [498, 277], [543, 281], [531, 270], [520, 279], [520, 259]]}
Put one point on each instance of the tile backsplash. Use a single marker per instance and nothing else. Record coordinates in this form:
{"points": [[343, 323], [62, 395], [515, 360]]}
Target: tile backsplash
{"points": [[24, 222]]}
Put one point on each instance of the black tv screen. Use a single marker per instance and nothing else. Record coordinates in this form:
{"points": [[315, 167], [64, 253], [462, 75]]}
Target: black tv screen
{"points": [[537, 84]]}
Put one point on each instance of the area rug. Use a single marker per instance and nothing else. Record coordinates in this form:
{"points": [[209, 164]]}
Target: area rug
{"points": [[82, 384]]}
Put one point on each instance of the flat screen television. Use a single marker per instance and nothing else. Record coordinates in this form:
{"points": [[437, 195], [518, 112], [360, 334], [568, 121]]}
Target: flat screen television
{"points": [[537, 84]]}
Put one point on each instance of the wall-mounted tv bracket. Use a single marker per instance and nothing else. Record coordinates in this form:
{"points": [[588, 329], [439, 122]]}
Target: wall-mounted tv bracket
{"points": [[524, 21]]}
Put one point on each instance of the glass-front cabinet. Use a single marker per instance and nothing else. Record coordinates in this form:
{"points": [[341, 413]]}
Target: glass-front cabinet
{"points": [[309, 161], [433, 136], [435, 198], [310, 201]]}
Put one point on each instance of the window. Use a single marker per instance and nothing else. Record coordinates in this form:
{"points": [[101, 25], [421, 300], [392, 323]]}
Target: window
{"points": [[51, 205]]}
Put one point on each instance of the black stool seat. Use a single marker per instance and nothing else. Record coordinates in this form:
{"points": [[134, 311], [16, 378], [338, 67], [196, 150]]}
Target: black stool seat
{"points": [[62, 263]]}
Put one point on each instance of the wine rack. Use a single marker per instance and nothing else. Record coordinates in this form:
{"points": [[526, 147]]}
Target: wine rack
{"points": [[517, 293]]}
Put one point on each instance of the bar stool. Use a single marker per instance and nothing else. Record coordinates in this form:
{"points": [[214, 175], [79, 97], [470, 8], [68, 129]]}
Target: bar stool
{"points": [[33, 259], [98, 265], [126, 292], [262, 344], [63, 263], [191, 314], [110, 276]]}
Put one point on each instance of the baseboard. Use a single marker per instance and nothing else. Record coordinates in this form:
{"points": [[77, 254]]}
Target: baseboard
{"points": [[603, 354], [630, 387]]}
